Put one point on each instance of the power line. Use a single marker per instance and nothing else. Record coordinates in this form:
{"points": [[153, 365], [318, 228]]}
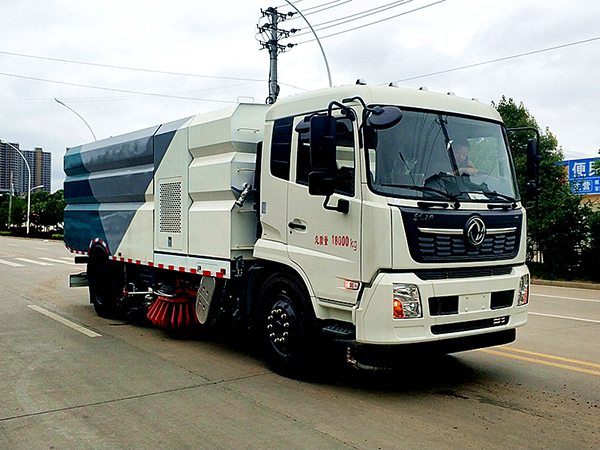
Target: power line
{"points": [[505, 58], [373, 23], [335, 4], [105, 99], [325, 7], [151, 94], [353, 17], [137, 69]]}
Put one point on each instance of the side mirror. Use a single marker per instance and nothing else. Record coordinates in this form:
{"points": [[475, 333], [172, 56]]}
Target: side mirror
{"points": [[378, 117], [382, 118], [320, 183], [533, 160], [533, 170], [533, 163], [323, 143]]}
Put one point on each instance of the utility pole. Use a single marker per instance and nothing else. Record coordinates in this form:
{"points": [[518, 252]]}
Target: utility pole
{"points": [[272, 34]]}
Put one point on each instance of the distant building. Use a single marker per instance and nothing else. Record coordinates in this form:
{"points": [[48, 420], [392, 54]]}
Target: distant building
{"points": [[13, 170]]}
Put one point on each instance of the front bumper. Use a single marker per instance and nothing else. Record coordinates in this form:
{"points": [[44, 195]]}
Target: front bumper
{"points": [[474, 315]]}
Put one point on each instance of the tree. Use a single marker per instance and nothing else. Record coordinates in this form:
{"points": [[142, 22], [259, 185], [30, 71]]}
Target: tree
{"points": [[4, 203], [17, 212], [596, 164], [47, 209], [559, 221]]}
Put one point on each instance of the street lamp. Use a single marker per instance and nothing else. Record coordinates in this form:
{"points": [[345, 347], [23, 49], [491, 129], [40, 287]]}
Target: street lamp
{"points": [[28, 182], [78, 115], [316, 37]]}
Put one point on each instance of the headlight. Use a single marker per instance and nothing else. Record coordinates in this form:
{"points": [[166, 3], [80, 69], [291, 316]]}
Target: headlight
{"points": [[523, 295], [407, 302]]}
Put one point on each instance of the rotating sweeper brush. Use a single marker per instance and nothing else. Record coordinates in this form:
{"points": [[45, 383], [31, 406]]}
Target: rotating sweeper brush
{"points": [[174, 307]]}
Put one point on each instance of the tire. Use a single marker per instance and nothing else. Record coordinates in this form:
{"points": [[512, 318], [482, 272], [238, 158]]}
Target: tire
{"points": [[287, 326], [105, 291]]}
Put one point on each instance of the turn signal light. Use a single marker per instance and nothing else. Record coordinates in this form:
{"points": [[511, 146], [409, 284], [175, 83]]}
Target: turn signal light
{"points": [[398, 310], [351, 285]]}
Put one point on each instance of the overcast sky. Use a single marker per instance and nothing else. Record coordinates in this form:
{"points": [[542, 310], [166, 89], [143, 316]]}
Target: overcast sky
{"points": [[214, 59]]}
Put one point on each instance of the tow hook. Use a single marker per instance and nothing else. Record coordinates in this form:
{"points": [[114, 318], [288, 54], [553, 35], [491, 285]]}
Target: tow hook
{"points": [[359, 366]]}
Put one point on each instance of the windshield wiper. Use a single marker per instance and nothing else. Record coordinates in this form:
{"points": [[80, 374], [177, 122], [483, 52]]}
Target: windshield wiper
{"points": [[454, 198], [502, 196]]}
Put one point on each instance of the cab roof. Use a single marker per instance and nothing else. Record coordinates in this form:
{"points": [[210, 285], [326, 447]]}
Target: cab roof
{"points": [[380, 95]]}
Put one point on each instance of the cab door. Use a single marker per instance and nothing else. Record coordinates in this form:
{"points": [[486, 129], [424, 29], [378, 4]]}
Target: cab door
{"points": [[324, 243]]}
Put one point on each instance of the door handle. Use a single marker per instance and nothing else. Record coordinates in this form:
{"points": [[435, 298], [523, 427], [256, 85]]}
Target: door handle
{"points": [[297, 226]]}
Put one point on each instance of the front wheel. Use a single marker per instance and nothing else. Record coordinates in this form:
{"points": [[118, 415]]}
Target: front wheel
{"points": [[287, 326], [104, 286]]}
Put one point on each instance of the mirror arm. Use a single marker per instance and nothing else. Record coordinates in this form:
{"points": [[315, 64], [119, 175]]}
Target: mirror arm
{"points": [[342, 206], [348, 112], [535, 130]]}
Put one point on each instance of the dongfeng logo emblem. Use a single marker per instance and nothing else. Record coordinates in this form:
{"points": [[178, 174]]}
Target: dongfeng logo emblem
{"points": [[475, 231]]}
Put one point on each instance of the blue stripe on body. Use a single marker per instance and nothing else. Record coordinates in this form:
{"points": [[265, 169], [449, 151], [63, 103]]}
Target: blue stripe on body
{"points": [[106, 183]]}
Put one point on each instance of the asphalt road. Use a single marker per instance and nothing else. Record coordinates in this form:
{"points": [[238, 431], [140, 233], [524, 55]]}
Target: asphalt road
{"points": [[70, 379]]}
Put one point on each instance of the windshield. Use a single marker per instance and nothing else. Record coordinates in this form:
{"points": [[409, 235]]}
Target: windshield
{"points": [[442, 157]]}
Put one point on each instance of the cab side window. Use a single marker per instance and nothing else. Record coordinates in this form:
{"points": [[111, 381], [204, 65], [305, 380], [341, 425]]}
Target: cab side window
{"points": [[344, 180], [281, 148]]}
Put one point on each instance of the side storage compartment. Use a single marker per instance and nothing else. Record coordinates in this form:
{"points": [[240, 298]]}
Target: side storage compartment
{"points": [[223, 150]]}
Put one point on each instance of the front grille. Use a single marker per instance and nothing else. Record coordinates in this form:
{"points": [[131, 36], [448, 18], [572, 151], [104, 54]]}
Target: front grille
{"points": [[463, 273], [470, 325], [443, 246], [440, 236]]}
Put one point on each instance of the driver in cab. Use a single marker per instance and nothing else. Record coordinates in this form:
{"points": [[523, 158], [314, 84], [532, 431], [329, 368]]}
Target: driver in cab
{"points": [[461, 148]]}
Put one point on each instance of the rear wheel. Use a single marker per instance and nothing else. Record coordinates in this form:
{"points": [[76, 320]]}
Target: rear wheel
{"points": [[105, 289], [287, 326]]}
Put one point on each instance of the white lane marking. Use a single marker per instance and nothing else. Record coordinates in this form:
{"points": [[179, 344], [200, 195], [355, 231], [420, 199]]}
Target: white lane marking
{"points": [[71, 263], [10, 263], [64, 321], [31, 261], [567, 298], [42, 248], [564, 317], [563, 287]]}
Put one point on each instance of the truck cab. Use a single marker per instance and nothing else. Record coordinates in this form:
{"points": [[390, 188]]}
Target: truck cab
{"points": [[426, 247]]}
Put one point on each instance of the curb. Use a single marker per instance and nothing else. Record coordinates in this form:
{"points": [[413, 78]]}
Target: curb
{"points": [[568, 284]]}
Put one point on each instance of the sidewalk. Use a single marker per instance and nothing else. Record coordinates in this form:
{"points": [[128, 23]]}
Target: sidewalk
{"points": [[570, 284]]}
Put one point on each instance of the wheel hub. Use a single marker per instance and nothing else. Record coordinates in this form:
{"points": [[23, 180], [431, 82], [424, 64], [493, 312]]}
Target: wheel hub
{"points": [[280, 326]]}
